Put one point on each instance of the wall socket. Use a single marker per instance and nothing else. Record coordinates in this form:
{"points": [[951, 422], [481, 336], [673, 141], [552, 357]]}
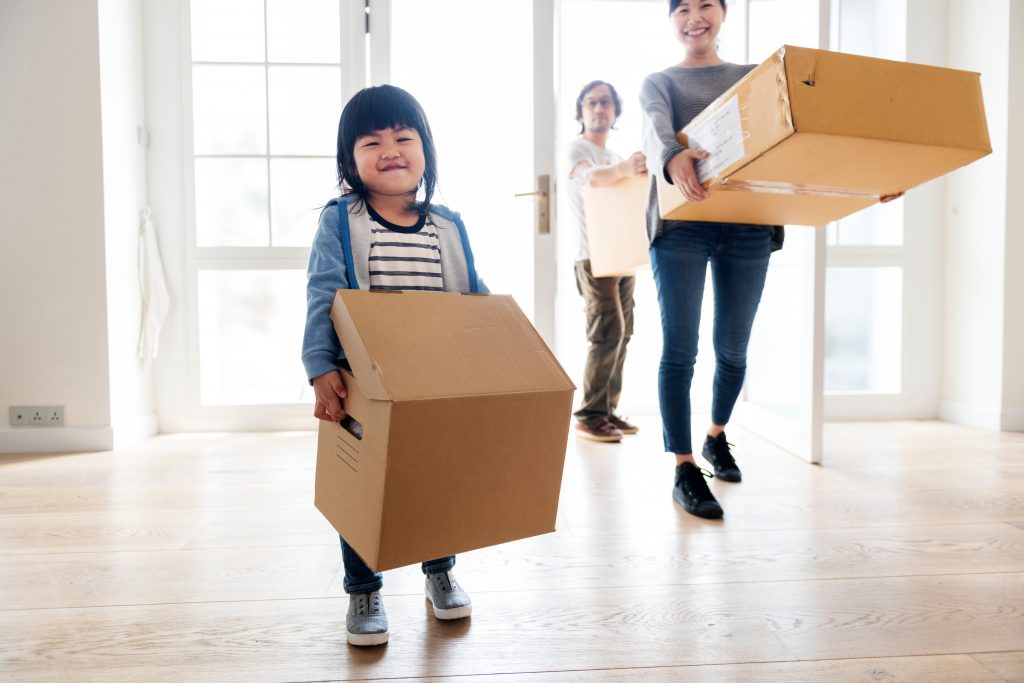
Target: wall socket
{"points": [[36, 416]]}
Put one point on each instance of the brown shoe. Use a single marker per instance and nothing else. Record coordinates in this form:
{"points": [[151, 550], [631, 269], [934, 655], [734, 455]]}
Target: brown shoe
{"points": [[623, 426], [598, 429]]}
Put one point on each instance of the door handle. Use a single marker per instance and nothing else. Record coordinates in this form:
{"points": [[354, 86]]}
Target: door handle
{"points": [[543, 196]]}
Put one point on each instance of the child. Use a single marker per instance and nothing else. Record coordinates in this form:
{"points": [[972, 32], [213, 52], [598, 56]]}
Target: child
{"points": [[378, 236]]}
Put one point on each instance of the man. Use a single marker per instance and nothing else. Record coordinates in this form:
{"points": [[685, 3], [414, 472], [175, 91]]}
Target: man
{"points": [[608, 300]]}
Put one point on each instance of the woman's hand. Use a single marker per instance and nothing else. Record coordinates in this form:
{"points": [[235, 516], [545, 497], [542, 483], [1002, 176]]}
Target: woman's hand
{"points": [[329, 389], [886, 198], [680, 169]]}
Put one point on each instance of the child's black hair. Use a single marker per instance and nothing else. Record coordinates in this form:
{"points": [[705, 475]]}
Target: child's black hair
{"points": [[376, 108], [583, 94]]}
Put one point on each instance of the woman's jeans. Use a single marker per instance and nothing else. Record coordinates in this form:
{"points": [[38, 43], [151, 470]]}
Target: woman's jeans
{"points": [[739, 263], [361, 579]]}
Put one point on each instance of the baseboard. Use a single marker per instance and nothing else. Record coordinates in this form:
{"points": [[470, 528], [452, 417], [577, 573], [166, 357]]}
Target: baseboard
{"points": [[133, 429], [1013, 420], [55, 439], [971, 414]]}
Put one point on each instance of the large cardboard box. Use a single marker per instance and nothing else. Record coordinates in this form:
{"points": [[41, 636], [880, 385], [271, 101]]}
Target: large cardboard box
{"points": [[810, 136], [616, 217], [459, 423]]}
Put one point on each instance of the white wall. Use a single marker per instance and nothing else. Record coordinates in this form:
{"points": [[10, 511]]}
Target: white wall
{"points": [[125, 196], [976, 229], [1013, 345], [53, 349], [72, 185]]}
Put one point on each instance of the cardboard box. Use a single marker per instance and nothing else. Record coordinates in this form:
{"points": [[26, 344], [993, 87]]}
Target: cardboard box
{"points": [[810, 136], [461, 422], [617, 226]]}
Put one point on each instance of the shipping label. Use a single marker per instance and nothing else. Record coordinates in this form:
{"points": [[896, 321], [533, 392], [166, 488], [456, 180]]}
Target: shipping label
{"points": [[721, 134]]}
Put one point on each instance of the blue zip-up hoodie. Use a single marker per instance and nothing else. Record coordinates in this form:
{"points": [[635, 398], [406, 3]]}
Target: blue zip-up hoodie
{"points": [[340, 260]]}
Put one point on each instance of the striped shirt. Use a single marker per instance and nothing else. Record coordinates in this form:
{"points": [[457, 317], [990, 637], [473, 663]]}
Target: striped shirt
{"points": [[404, 257]]}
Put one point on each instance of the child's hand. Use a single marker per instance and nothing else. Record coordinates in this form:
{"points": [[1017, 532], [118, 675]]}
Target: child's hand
{"points": [[329, 389], [681, 170]]}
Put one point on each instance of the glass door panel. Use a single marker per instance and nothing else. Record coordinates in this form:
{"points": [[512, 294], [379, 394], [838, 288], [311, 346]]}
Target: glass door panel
{"points": [[470, 64]]}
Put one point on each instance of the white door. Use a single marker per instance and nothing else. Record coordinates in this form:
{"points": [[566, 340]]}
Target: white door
{"points": [[783, 399], [622, 41], [483, 73]]}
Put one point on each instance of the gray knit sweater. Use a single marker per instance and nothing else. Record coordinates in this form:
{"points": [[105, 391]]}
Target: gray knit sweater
{"points": [[671, 99]]}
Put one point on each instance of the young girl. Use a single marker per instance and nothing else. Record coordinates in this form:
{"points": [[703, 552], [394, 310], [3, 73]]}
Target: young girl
{"points": [[379, 235]]}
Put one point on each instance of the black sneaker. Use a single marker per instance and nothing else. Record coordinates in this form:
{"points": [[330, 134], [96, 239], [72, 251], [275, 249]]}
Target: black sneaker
{"points": [[692, 492], [716, 452]]}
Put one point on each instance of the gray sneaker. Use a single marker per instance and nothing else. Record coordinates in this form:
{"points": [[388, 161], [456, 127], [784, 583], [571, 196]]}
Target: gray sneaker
{"points": [[366, 622], [447, 597]]}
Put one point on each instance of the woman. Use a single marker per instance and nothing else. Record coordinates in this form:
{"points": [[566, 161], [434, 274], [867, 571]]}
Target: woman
{"points": [[681, 251]]}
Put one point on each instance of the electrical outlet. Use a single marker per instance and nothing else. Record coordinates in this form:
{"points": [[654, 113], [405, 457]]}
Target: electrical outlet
{"points": [[54, 416], [36, 416]]}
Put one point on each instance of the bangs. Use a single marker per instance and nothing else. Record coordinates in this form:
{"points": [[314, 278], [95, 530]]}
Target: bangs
{"points": [[387, 108], [376, 108]]}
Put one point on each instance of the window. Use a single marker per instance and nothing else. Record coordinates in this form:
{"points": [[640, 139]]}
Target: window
{"points": [[266, 90], [866, 256]]}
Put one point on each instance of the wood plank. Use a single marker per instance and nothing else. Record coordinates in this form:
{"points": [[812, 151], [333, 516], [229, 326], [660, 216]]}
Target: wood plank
{"points": [[150, 577], [934, 669], [538, 631], [1008, 666], [305, 639], [731, 557], [260, 573], [898, 616]]}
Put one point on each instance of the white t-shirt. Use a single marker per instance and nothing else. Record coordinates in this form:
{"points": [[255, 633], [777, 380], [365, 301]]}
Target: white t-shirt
{"points": [[582, 149]]}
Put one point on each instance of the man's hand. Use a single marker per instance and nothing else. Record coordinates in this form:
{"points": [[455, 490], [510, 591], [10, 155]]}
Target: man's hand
{"points": [[329, 389], [680, 169], [636, 164]]}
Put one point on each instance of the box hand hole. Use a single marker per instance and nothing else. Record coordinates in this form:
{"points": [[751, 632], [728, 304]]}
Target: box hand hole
{"points": [[352, 426]]}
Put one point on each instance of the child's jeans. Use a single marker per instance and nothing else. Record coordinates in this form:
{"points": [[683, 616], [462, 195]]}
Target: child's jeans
{"points": [[361, 579]]}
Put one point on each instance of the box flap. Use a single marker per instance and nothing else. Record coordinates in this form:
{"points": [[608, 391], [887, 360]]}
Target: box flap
{"points": [[880, 99], [414, 345]]}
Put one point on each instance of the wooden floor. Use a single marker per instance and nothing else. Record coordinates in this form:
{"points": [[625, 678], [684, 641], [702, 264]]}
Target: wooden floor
{"points": [[201, 558]]}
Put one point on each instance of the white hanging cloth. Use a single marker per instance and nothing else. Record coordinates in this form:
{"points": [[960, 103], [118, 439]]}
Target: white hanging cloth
{"points": [[153, 287]]}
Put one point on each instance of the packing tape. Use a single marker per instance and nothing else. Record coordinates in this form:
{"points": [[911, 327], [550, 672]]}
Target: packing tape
{"points": [[772, 187]]}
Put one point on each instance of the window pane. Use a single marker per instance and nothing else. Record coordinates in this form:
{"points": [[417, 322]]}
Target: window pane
{"points": [[306, 31], [874, 28], [230, 109], [466, 80], [863, 335], [878, 225], [227, 30], [298, 189], [250, 337], [231, 203], [774, 23], [305, 103]]}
